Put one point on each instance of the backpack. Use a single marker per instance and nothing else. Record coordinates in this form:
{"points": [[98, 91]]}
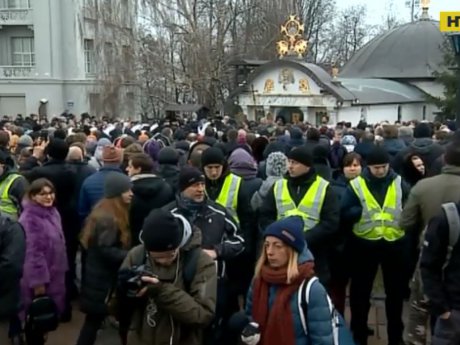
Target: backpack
{"points": [[340, 331], [418, 319], [453, 220]]}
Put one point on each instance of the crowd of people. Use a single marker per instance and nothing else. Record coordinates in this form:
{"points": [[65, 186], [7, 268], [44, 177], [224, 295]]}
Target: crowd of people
{"points": [[212, 232]]}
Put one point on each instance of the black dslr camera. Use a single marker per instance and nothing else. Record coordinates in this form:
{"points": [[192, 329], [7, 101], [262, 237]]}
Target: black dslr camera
{"points": [[133, 284]]}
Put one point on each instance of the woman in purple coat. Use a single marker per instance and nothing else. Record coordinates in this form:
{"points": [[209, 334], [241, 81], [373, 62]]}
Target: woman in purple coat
{"points": [[45, 261]]}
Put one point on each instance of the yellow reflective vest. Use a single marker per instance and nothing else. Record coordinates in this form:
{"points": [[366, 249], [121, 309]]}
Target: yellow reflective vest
{"points": [[228, 196], [7, 207], [309, 207], [379, 222]]}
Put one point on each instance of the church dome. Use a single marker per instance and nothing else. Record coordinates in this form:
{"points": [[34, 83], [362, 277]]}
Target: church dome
{"points": [[409, 51]]}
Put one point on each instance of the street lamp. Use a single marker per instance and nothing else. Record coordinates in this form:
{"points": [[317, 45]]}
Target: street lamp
{"points": [[455, 38]]}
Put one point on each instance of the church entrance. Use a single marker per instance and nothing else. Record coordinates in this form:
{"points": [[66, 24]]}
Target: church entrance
{"points": [[290, 115]]}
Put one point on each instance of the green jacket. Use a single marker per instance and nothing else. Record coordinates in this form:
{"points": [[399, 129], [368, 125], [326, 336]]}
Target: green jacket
{"points": [[427, 196], [180, 316]]}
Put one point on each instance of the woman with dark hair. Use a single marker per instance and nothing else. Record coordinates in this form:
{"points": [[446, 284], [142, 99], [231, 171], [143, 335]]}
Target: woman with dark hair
{"points": [[106, 238], [413, 169], [45, 262]]}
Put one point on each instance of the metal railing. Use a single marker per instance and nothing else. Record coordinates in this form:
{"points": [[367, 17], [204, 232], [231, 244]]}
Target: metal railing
{"points": [[16, 16], [16, 72]]}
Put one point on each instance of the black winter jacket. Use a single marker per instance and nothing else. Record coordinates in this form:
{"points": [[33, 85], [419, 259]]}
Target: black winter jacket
{"points": [[104, 257], [12, 253], [218, 229], [149, 192], [441, 286], [319, 237], [170, 173]]}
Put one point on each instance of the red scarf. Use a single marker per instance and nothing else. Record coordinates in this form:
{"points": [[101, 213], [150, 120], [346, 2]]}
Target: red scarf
{"points": [[276, 324]]}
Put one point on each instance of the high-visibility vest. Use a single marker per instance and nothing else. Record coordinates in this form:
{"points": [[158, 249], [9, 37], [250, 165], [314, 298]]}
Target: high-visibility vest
{"points": [[309, 207], [7, 206], [379, 222], [228, 196]]}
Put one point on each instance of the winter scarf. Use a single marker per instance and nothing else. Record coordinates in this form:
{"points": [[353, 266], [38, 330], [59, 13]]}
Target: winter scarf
{"points": [[276, 324], [192, 207]]}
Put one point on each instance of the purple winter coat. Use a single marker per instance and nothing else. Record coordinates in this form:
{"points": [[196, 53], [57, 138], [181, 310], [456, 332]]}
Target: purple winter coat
{"points": [[46, 259]]}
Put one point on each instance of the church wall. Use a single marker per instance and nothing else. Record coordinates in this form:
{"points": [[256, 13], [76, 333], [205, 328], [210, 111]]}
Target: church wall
{"points": [[432, 88], [281, 81], [379, 113]]}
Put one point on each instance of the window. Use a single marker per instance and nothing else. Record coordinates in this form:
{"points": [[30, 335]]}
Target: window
{"points": [[108, 54], [399, 113], [95, 104], [107, 10], [18, 3], [127, 63], [424, 112], [88, 3], [23, 51], [129, 104], [89, 56], [126, 14]]}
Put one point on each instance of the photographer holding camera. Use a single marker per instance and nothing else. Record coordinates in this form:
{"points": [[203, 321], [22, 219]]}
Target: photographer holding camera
{"points": [[169, 282]]}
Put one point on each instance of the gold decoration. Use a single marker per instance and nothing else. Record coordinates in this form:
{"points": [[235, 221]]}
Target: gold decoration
{"points": [[269, 85], [335, 71], [292, 42], [295, 118], [425, 3], [286, 77], [304, 86]]}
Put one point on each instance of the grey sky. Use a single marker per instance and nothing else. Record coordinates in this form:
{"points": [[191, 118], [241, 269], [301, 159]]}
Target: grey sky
{"points": [[376, 9]]}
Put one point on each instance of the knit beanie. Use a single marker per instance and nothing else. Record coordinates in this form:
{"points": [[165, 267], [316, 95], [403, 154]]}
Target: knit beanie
{"points": [[189, 176], [302, 155], [290, 231], [115, 184], [378, 156], [57, 149], [161, 231], [422, 130], [276, 164], [212, 155], [112, 154], [168, 155]]}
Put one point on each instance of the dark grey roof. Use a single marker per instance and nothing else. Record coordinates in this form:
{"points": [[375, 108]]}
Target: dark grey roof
{"points": [[186, 108], [248, 62], [409, 51], [383, 91], [319, 76]]}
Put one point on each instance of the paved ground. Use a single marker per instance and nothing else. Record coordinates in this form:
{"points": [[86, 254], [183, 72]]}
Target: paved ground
{"points": [[67, 333]]}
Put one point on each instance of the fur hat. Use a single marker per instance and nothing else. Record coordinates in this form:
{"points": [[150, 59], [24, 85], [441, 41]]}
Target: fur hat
{"points": [[276, 164]]}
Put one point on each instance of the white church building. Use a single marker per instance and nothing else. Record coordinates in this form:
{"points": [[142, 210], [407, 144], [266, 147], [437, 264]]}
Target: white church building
{"points": [[389, 79]]}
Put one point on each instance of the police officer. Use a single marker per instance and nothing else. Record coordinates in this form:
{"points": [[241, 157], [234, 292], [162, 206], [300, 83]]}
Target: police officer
{"points": [[372, 205], [12, 189], [304, 193], [222, 186]]}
